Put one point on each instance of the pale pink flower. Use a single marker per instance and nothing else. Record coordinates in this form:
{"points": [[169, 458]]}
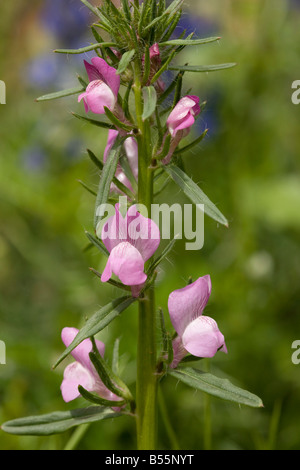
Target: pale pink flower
{"points": [[102, 91], [198, 335], [82, 372], [131, 241], [131, 150]]}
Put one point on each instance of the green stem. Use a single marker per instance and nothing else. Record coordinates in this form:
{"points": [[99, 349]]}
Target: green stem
{"points": [[146, 384], [165, 417], [76, 437]]}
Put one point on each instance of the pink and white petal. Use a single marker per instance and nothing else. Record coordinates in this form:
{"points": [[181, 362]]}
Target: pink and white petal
{"points": [[74, 375], [127, 263], [202, 337], [143, 233], [82, 96], [185, 123], [98, 96], [81, 352], [108, 74], [131, 149], [188, 303]]}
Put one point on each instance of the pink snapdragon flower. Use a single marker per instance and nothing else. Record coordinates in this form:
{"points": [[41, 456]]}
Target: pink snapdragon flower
{"points": [[82, 372], [198, 335], [102, 91], [131, 149], [180, 121], [131, 241]]}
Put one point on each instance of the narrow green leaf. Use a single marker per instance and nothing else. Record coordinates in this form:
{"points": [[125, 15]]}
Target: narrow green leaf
{"points": [[116, 122], [60, 94], [221, 388], [97, 322], [194, 193], [85, 186], [107, 176], [97, 243], [189, 42], [202, 68], [93, 398], [102, 124], [192, 144], [90, 7], [150, 100], [125, 61], [57, 422], [105, 374], [159, 259], [111, 281], [82, 50], [169, 12]]}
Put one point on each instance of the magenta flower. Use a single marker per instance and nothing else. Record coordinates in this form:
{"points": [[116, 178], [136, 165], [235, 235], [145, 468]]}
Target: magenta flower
{"points": [[182, 117], [198, 335], [102, 91], [82, 372], [131, 149], [131, 241]]}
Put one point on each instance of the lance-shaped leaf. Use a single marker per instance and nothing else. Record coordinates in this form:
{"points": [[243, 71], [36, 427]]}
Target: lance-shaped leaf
{"points": [[95, 122], [189, 42], [97, 243], [125, 61], [194, 193], [168, 13], [97, 322], [60, 94], [107, 175], [159, 259], [150, 100], [82, 50], [202, 68], [221, 388], [93, 398], [58, 421], [110, 380], [116, 122]]}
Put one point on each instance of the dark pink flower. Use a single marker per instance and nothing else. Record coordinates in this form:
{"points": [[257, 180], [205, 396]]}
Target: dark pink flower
{"points": [[182, 117], [197, 334], [82, 372], [131, 241], [102, 91]]}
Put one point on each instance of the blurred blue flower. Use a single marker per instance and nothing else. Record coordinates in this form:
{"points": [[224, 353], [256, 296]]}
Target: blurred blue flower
{"points": [[33, 158]]}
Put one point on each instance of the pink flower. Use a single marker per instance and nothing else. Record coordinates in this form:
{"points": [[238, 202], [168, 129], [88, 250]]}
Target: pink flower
{"points": [[155, 64], [131, 150], [182, 117], [198, 335], [131, 241], [82, 372], [180, 121], [102, 91]]}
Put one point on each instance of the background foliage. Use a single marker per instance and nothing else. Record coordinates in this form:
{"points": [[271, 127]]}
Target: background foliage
{"points": [[248, 165]]}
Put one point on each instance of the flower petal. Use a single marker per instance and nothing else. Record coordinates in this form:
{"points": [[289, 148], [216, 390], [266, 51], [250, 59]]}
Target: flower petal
{"points": [[202, 337], [181, 117], [188, 303], [107, 74], [143, 233], [75, 374], [81, 352], [126, 262], [96, 96]]}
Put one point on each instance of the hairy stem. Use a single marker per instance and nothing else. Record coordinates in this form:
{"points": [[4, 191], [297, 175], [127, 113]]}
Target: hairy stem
{"points": [[146, 386]]}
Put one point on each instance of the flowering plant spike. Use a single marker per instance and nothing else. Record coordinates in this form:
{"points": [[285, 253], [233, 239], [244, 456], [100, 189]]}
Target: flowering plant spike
{"points": [[147, 121]]}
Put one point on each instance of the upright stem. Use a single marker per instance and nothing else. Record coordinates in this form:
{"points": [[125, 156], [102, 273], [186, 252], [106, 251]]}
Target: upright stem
{"points": [[146, 386]]}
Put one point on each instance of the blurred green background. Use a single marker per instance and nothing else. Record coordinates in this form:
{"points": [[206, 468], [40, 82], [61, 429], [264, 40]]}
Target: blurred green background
{"points": [[248, 165]]}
